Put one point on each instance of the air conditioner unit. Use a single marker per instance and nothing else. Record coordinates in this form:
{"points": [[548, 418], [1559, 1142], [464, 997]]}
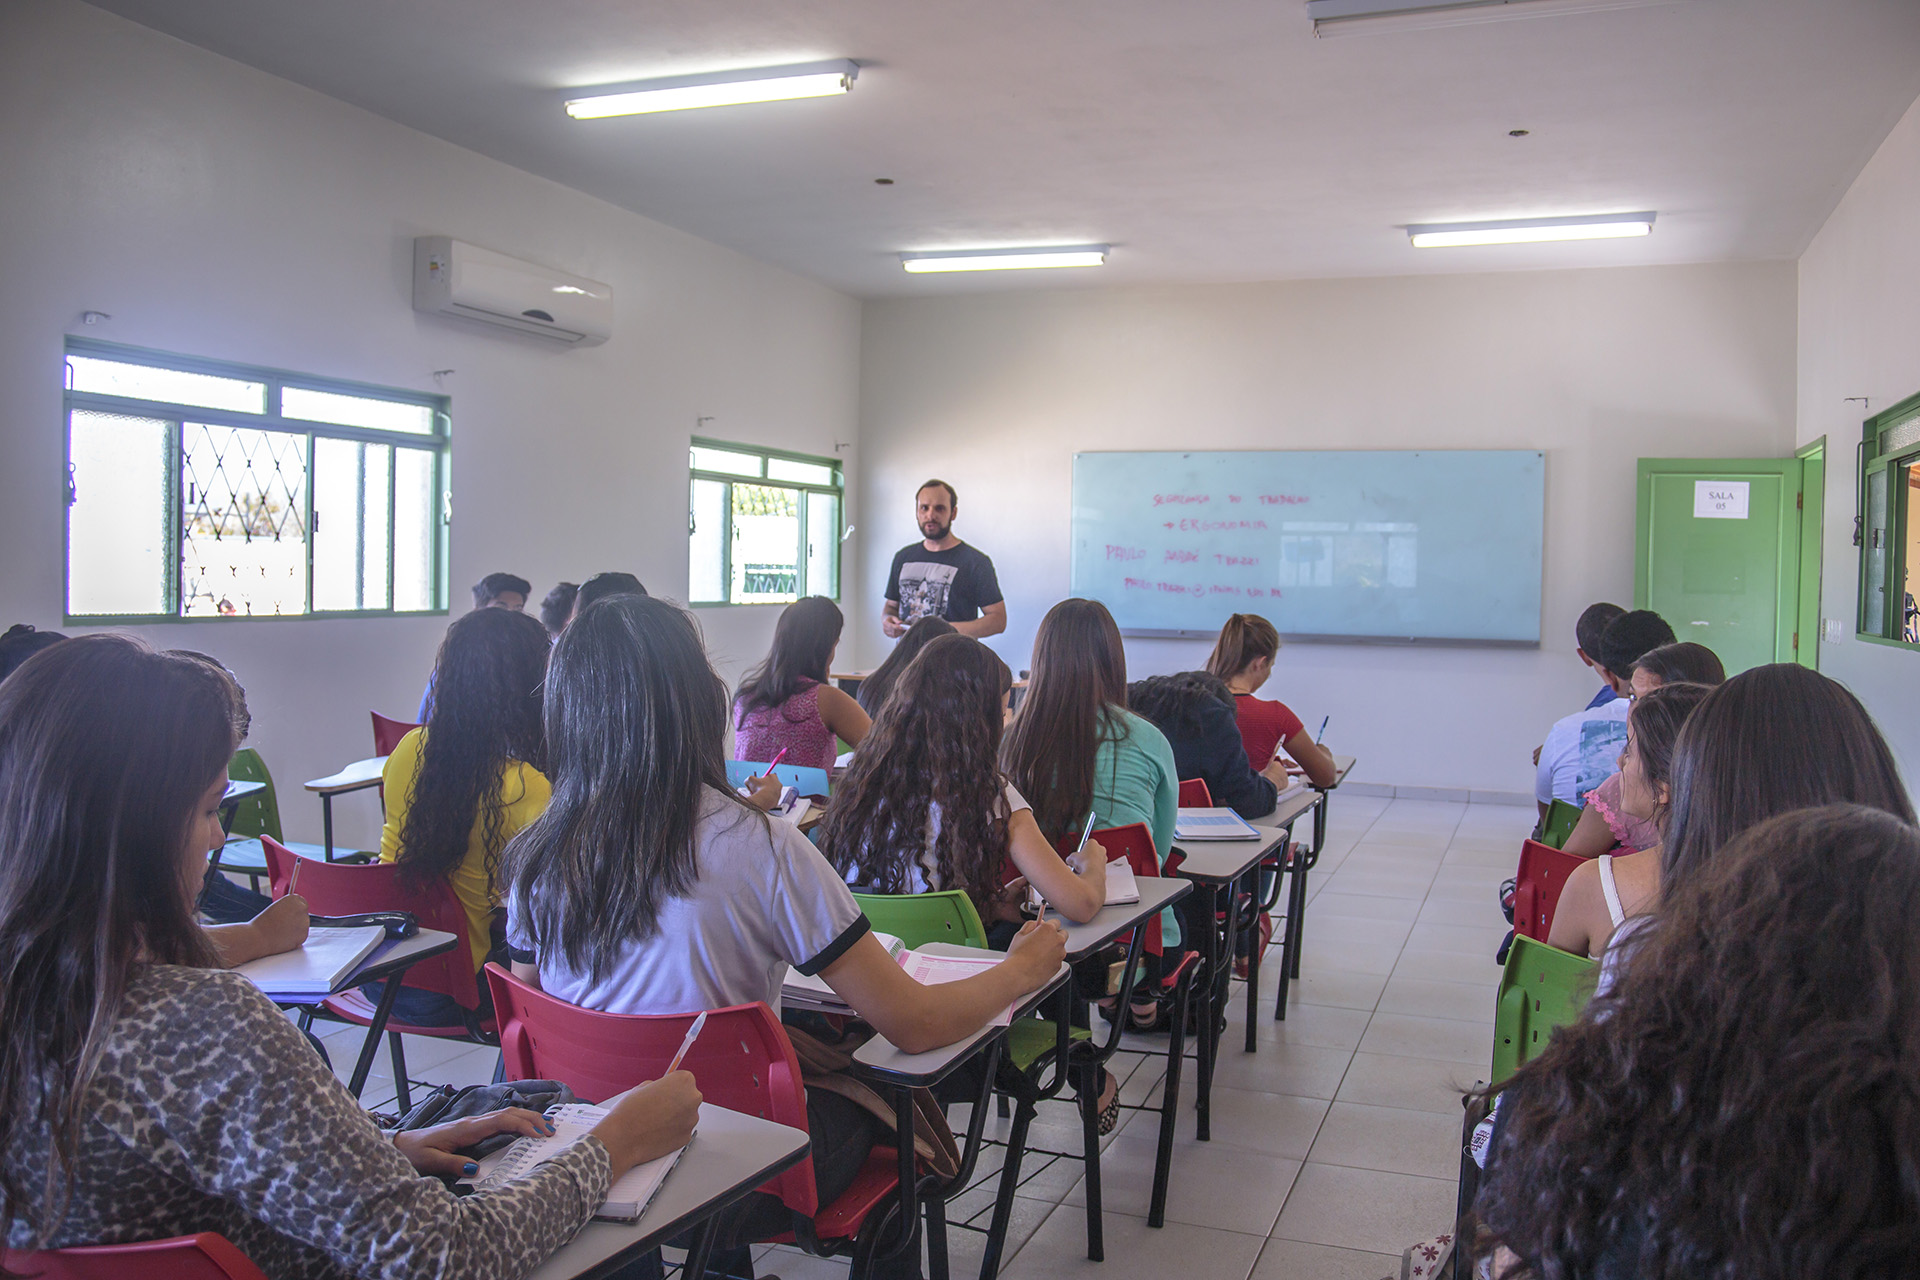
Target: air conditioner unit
{"points": [[452, 278]]}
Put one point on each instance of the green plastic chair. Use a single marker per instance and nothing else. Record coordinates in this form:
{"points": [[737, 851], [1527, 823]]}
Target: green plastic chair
{"points": [[255, 816], [1558, 824], [1542, 988]]}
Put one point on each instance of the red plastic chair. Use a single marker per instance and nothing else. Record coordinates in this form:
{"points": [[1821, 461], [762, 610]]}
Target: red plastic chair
{"points": [[344, 889], [1194, 794], [387, 733], [206, 1256], [1543, 874], [742, 1059]]}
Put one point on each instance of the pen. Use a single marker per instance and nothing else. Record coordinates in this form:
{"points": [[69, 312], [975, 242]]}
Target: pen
{"points": [[294, 879], [1322, 733], [1085, 833], [693, 1033], [777, 759]]}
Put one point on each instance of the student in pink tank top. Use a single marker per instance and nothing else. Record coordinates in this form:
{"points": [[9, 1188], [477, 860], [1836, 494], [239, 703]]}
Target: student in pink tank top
{"points": [[786, 704]]}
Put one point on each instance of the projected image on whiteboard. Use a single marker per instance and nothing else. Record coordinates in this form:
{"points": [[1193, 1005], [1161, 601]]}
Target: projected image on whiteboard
{"points": [[1430, 545]]}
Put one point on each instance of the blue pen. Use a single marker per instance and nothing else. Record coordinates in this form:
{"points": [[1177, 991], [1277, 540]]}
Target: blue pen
{"points": [[1322, 733]]}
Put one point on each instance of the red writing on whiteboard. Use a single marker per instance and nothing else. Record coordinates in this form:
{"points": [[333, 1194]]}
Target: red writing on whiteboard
{"points": [[1221, 590], [1281, 499], [1182, 557], [1125, 553], [1215, 526], [1179, 499], [1220, 559], [1233, 497]]}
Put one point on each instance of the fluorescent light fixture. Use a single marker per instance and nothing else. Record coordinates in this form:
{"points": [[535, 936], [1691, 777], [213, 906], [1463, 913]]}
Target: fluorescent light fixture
{"points": [[716, 89], [1071, 255], [1339, 17], [1602, 226]]}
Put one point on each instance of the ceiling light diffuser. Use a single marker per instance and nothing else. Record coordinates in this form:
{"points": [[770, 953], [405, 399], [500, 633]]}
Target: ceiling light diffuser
{"points": [[716, 89], [1337, 17], [1603, 226], [1075, 255]]}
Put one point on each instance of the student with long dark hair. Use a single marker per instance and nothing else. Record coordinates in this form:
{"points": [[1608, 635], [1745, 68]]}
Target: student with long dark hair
{"points": [[463, 784], [785, 703], [1742, 1102], [1603, 893], [146, 1093], [1074, 746], [648, 886], [926, 807], [1243, 657], [875, 688], [1195, 711]]}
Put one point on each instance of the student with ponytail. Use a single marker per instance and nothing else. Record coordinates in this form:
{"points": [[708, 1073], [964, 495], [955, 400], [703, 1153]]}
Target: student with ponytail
{"points": [[1243, 657]]}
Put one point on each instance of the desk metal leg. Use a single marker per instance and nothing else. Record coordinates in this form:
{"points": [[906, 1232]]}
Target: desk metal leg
{"points": [[326, 823], [1089, 1082], [1209, 1015], [381, 1011], [1169, 1105], [1300, 890], [1254, 899], [936, 1214], [1023, 1113], [702, 1250]]}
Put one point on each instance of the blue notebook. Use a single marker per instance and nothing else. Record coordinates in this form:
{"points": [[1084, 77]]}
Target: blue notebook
{"points": [[1213, 824]]}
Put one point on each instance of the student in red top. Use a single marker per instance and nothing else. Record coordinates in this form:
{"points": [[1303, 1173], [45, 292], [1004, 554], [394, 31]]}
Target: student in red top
{"points": [[1243, 657]]}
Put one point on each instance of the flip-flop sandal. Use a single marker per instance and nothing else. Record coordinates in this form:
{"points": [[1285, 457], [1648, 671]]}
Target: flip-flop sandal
{"points": [[1110, 1114]]}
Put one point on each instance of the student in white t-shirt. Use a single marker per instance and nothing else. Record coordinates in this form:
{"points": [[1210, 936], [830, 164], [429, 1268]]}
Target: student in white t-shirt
{"points": [[1581, 749], [649, 887], [924, 805]]}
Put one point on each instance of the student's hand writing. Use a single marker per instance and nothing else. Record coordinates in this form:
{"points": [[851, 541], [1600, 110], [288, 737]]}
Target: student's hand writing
{"points": [[432, 1150], [1040, 945], [282, 926], [764, 792], [648, 1122]]}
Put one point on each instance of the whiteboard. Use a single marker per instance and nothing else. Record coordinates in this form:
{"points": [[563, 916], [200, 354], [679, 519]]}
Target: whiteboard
{"points": [[1435, 545]]}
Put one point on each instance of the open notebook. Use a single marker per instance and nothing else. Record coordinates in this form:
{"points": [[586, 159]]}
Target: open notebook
{"points": [[630, 1193], [1122, 888], [810, 991], [317, 968], [1212, 824]]}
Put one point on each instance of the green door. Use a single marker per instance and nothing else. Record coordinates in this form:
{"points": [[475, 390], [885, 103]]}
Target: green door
{"points": [[1719, 552]]}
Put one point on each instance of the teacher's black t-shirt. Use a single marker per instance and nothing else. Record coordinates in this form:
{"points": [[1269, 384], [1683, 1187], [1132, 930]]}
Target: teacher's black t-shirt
{"points": [[951, 584]]}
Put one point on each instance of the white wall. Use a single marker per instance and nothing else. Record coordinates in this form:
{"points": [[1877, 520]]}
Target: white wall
{"points": [[1598, 368], [214, 210], [1860, 336]]}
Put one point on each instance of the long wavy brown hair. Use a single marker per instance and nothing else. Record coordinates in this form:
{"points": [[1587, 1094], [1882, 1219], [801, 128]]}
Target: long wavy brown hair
{"points": [[1074, 699], [1745, 1102], [105, 749], [935, 742]]}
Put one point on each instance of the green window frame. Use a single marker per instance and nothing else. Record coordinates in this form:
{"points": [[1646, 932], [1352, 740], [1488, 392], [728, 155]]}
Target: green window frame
{"points": [[741, 499], [1889, 607], [179, 470]]}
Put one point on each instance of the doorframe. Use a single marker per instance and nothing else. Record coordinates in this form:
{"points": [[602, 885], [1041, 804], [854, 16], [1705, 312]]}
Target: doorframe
{"points": [[1813, 524]]}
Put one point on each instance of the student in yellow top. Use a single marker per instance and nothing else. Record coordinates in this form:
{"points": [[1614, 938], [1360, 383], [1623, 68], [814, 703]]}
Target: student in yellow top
{"points": [[463, 784]]}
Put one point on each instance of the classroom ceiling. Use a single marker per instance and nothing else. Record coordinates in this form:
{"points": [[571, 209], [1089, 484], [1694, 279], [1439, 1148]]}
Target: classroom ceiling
{"points": [[1215, 140]]}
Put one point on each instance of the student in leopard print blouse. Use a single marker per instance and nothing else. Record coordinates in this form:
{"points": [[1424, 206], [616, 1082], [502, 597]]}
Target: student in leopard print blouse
{"points": [[146, 1093]]}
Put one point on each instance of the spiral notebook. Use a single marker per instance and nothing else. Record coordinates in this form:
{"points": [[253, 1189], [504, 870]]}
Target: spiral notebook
{"points": [[627, 1198]]}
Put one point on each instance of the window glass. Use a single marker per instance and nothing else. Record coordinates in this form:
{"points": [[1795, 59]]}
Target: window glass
{"points": [[1910, 595], [416, 518], [351, 480], [174, 386], [707, 542], [355, 411], [725, 461], [823, 545], [799, 472], [755, 541], [766, 544], [1873, 594], [243, 549], [118, 539]]}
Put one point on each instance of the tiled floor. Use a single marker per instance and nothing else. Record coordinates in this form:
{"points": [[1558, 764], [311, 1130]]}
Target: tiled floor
{"points": [[1334, 1146]]}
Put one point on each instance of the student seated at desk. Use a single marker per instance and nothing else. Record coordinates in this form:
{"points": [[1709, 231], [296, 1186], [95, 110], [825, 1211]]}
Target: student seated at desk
{"points": [[785, 707], [875, 688], [1195, 712], [146, 1092], [1580, 749], [1243, 657], [1741, 1104], [648, 886], [1770, 740], [1601, 894], [463, 784], [1606, 822]]}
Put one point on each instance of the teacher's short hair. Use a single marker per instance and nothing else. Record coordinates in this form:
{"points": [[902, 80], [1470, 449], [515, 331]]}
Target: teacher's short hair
{"points": [[953, 499]]}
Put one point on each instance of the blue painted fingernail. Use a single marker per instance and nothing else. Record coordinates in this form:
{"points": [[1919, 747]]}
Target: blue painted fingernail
{"points": [[470, 1168]]}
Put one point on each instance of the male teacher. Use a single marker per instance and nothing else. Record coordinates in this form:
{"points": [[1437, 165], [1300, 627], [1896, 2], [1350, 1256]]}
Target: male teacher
{"points": [[941, 576]]}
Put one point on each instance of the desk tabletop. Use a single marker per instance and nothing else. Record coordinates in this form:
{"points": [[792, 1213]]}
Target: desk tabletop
{"points": [[239, 789], [1218, 861], [1156, 892], [387, 959], [1342, 765], [359, 774], [729, 1156], [1292, 805], [879, 1058]]}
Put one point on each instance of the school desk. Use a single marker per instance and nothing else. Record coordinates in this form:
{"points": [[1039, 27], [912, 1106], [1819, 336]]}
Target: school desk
{"points": [[357, 776]]}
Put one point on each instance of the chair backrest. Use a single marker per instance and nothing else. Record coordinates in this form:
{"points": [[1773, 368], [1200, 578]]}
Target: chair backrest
{"points": [[919, 918], [1536, 892], [259, 813], [387, 733], [199, 1257], [1559, 823], [1541, 988], [345, 889], [804, 779], [742, 1060], [1194, 794]]}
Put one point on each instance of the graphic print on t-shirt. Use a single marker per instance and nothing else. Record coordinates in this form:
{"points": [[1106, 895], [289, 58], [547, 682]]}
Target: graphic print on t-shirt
{"points": [[924, 588], [1601, 742]]}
